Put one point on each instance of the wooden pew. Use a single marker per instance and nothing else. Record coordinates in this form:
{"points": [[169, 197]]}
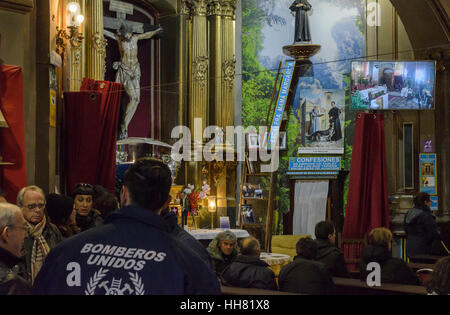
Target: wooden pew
{"points": [[424, 259], [250, 291], [345, 286]]}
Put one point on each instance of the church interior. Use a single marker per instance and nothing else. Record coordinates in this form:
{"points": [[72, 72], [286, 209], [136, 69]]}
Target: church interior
{"points": [[352, 108]]}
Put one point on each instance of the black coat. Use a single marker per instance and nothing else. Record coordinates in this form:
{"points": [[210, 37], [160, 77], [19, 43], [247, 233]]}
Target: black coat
{"points": [[10, 282], [332, 258], [421, 227], [305, 276], [249, 272], [393, 270], [186, 238]]}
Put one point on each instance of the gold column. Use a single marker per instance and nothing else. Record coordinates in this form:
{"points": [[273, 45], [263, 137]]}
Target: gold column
{"points": [[215, 39], [76, 55], [95, 42], [183, 61], [198, 96], [228, 61]]}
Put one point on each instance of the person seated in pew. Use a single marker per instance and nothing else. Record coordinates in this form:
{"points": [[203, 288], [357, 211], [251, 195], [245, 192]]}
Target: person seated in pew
{"points": [[439, 283], [420, 226], [247, 270], [223, 250], [304, 275], [393, 270], [327, 253]]}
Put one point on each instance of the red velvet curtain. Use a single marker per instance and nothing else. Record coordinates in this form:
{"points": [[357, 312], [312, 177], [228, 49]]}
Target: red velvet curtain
{"points": [[91, 133], [367, 199], [12, 139]]}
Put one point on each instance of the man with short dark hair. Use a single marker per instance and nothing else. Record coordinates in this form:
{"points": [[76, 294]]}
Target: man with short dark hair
{"points": [[247, 270], [131, 253], [304, 275], [327, 253], [12, 234]]}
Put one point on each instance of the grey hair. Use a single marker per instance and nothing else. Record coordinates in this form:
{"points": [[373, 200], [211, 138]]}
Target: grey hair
{"points": [[21, 194], [250, 246], [7, 213], [226, 235]]}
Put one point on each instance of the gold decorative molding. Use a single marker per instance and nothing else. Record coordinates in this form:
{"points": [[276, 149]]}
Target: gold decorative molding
{"points": [[228, 68], [199, 7], [185, 7], [21, 6], [214, 7], [100, 43], [228, 8], [200, 70]]}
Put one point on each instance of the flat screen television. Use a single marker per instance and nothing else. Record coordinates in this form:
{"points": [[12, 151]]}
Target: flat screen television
{"points": [[392, 85]]}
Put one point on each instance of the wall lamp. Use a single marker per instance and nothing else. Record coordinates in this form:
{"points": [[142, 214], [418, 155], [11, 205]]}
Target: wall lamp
{"points": [[74, 20]]}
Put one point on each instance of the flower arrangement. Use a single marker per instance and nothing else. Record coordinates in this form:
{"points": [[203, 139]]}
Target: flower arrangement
{"points": [[196, 196]]}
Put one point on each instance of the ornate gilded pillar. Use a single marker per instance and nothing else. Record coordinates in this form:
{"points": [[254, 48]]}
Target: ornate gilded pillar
{"points": [[228, 61], [76, 55], [215, 39], [183, 70], [95, 42], [199, 62]]}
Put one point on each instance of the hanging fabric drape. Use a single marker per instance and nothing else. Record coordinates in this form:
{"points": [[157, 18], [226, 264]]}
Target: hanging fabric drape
{"points": [[367, 200], [91, 118], [110, 107], [310, 206], [12, 139]]}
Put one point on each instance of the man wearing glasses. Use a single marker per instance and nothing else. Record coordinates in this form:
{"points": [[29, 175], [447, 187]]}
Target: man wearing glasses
{"points": [[12, 234], [42, 235]]}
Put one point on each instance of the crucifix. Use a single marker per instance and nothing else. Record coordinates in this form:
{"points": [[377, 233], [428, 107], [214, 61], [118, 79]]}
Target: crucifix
{"points": [[127, 35]]}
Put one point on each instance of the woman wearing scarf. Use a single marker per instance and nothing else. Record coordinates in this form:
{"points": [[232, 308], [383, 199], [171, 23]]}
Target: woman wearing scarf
{"points": [[42, 235]]}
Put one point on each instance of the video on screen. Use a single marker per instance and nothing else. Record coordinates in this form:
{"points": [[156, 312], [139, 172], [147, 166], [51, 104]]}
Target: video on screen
{"points": [[392, 85]]}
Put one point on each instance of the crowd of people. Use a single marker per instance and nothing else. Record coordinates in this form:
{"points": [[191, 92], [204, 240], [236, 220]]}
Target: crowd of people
{"points": [[97, 247]]}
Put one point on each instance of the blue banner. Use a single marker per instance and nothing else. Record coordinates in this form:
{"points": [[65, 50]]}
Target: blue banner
{"points": [[316, 163], [281, 102]]}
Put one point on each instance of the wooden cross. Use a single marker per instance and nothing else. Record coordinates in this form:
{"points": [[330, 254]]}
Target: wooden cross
{"points": [[123, 9]]}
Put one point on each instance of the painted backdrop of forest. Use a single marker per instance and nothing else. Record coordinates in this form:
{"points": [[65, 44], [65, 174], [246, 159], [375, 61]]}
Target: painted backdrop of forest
{"points": [[267, 25]]}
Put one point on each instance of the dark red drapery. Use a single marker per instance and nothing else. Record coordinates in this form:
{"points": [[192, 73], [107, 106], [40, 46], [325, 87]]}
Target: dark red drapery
{"points": [[367, 199], [91, 133], [12, 139]]}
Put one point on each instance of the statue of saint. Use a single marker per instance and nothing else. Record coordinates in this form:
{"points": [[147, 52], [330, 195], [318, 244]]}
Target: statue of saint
{"points": [[128, 69], [300, 8]]}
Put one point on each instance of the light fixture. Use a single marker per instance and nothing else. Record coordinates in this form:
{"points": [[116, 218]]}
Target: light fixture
{"points": [[74, 20]]}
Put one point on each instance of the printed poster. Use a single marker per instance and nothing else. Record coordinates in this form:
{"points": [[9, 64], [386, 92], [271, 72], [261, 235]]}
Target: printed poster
{"points": [[427, 168], [322, 118]]}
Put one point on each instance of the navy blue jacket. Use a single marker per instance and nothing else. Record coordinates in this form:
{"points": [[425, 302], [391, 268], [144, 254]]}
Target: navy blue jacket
{"points": [[131, 253], [177, 232]]}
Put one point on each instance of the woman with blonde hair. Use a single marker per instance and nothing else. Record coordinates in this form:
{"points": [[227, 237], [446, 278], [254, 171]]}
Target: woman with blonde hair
{"points": [[379, 250]]}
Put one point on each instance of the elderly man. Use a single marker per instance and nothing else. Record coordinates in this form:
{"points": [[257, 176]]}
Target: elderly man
{"points": [[247, 270], [12, 234], [42, 235]]}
